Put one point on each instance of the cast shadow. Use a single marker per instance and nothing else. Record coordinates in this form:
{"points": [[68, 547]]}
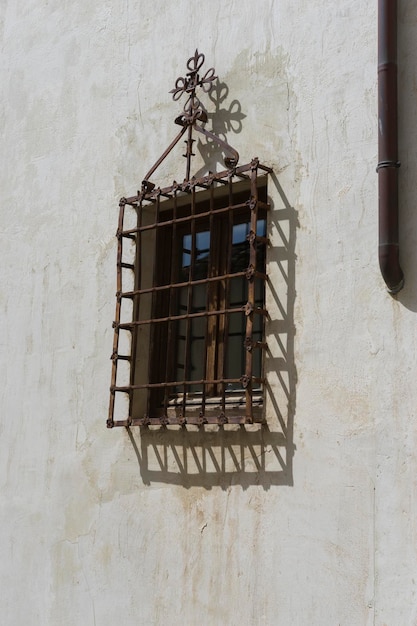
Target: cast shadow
{"points": [[280, 364], [222, 456], [197, 458], [226, 118]]}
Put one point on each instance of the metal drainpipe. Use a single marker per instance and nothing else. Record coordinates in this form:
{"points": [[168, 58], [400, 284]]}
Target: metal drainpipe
{"points": [[388, 163]]}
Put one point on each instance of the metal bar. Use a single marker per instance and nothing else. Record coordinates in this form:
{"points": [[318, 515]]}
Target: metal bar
{"points": [[189, 218], [189, 152], [128, 325], [269, 170], [152, 330], [251, 287], [136, 301], [192, 421], [177, 383], [187, 356], [227, 293], [163, 156], [110, 420], [204, 180], [200, 281], [170, 361], [209, 279]]}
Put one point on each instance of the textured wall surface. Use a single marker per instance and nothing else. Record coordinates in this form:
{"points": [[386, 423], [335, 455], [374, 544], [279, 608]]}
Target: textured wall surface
{"points": [[309, 523]]}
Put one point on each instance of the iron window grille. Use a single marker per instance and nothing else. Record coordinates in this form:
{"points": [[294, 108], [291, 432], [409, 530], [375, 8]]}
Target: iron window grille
{"points": [[197, 252]]}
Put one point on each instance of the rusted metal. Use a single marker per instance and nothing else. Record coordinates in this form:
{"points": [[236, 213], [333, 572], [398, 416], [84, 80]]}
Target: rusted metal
{"points": [[191, 81], [170, 333], [388, 162], [188, 383], [136, 300], [227, 284], [192, 114], [170, 393], [187, 349], [250, 306], [209, 280], [144, 422], [220, 178], [110, 419], [179, 220], [147, 186], [248, 309]]}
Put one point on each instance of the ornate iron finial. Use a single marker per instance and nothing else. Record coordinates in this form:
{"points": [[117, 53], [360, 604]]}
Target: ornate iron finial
{"points": [[192, 108], [193, 80], [193, 112]]}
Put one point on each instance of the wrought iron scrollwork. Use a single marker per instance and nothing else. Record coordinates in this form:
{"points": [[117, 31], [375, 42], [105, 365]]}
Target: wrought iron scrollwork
{"points": [[192, 116], [192, 80]]}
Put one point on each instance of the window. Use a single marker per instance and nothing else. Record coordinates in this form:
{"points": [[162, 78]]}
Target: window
{"points": [[198, 312], [189, 330]]}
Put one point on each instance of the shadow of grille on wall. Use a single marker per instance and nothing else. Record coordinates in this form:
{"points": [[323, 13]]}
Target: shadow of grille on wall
{"points": [[214, 459]]}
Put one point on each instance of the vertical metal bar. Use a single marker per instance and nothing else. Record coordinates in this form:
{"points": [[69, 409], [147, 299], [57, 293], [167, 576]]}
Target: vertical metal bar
{"points": [[136, 303], [110, 420], [188, 323], [223, 344], [251, 289], [171, 348], [152, 326], [189, 152], [213, 304], [209, 290]]}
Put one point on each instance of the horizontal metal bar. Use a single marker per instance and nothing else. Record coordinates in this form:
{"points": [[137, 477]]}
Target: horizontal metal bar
{"points": [[183, 383], [120, 357], [191, 217], [196, 182], [126, 234], [191, 283], [191, 421], [176, 383], [175, 318]]}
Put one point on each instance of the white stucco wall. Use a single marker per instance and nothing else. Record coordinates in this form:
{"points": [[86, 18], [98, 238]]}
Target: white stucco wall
{"points": [[95, 527]]}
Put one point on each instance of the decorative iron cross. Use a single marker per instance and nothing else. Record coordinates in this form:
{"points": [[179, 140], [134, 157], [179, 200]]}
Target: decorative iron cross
{"points": [[189, 84]]}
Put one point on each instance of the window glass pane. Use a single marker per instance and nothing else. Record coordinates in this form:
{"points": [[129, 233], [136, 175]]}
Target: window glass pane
{"points": [[186, 251], [201, 253], [202, 249]]}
